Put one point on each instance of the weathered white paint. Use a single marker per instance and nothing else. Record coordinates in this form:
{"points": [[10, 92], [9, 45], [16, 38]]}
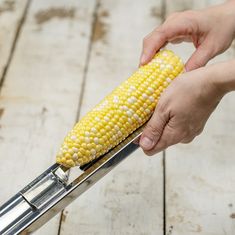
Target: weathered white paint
{"points": [[129, 200], [40, 99], [200, 176], [11, 13], [41, 92]]}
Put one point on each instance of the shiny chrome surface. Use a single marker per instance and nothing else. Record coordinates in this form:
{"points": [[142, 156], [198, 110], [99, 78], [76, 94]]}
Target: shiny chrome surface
{"points": [[51, 192]]}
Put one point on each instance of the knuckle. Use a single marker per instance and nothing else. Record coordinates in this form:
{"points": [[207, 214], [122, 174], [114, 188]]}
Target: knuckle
{"points": [[197, 64], [152, 129], [161, 31], [188, 14], [173, 15], [146, 39], [199, 131], [162, 35], [181, 14], [161, 107], [184, 133], [187, 140], [208, 53]]}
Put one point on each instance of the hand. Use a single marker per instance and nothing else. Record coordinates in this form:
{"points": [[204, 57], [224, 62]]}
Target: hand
{"points": [[211, 30], [183, 110]]}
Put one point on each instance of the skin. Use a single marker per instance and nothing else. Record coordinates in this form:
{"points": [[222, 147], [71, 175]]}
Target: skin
{"points": [[181, 120]]}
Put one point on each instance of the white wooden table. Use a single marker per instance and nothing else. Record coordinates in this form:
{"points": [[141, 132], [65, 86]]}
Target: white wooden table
{"points": [[57, 58]]}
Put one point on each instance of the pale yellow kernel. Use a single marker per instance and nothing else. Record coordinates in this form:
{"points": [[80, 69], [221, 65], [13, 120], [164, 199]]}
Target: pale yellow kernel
{"points": [[75, 149], [93, 151], [73, 137], [67, 156], [87, 134], [70, 163], [106, 119], [89, 146], [98, 147], [151, 98], [93, 129], [136, 116], [87, 153], [129, 113], [147, 111], [75, 156], [96, 140], [165, 84], [145, 96]]}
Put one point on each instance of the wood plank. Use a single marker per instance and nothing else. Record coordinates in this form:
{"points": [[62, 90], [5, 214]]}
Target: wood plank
{"points": [[129, 200], [11, 14], [40, 96], [200, 176]]}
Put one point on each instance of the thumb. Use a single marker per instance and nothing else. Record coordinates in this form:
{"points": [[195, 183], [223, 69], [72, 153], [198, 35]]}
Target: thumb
{"points": [[153, 130], [200, 57]]}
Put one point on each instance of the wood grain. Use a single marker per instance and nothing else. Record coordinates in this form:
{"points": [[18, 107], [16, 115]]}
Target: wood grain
{"points": [[11, 15], [129, 200], [200, 176], [66, 57], [41, 92]]}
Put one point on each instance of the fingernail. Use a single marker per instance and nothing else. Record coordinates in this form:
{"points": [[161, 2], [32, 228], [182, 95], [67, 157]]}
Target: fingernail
{"points": [[146, 143]]}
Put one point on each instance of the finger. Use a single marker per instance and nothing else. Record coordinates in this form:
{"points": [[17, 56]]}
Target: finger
{"points": [[151, 44], [168, 31], [200, 57], [169, 137], [181, 38], [153, 130]]}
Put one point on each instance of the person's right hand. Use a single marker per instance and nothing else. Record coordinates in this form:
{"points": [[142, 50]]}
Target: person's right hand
{"points": [[211, 30], [185, 106]]}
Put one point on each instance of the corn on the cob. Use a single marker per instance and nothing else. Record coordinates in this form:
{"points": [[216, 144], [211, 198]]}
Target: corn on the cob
{"points": [[124, 110]]}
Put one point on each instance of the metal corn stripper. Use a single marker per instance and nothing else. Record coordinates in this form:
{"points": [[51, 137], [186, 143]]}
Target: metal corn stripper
{"points": [[51, 192]]}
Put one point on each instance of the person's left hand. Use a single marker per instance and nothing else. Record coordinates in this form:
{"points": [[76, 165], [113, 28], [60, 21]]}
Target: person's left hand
{"points": [[182, 111]]}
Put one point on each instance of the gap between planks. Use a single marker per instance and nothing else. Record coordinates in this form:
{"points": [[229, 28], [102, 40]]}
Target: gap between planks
{"points": [[14, 43], [87, 59], [163, 17]]}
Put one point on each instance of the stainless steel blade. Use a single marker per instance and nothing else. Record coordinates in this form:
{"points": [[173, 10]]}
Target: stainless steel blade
{"points": [[51, 192]]}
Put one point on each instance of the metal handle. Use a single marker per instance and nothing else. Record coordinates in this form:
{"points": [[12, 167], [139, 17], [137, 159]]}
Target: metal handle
{"points": [[31, 199], [50, 193]]}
